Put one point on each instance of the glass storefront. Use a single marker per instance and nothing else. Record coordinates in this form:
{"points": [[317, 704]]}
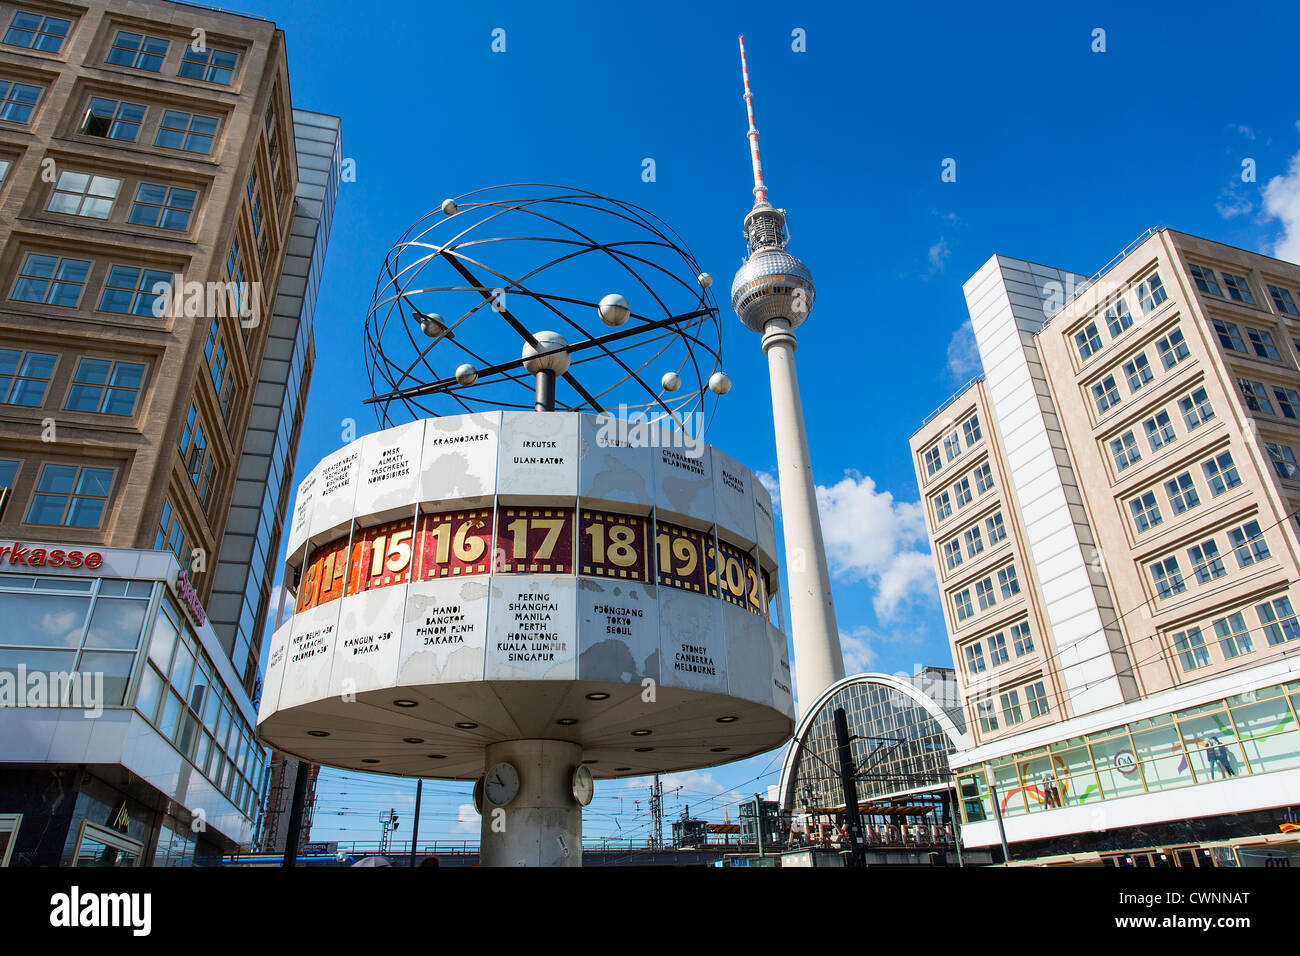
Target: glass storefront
{"points": [[112, 629], [1242, 735]]}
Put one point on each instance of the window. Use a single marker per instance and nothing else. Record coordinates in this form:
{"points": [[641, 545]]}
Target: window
{"points": [[952, 446], [988, 715], [952, 553], [170, 535], [1238, 288], [984, 593], [1087, 340], [1205, 280], [974, 542], [8, 472], [1196, 408], [1118, 318], [974, 658], [37, 32], [1151, 292], [187, 131], [1282, 299], [81, 194], [255, 205], [942, 506], [51, 280], [163, 207], [997, 649], [112, 119], [1168, 578], [1261, 341], [18, 101], [1105, 393], [1124, 449], [1220, 473], [1248, 543], [1192, 652], [1233, 635], [106, 387], [1138, 371], [1206, 563], [215, 351], [983, 478], [1172, 348], [1256, 396], [1009, 582], [1146, 513], [1229, 336], [961, 601], [997, 531], [1278, 620], [24, 377], [1021, 639], [210, 64], [1159, 429], [1036, 698], [1284, 462], [132, 291], [961, 489], [71, 496], [972, 429], [1011, 707], [1288, 401], [199, 462], [932, 460], [5, 166], [1182, 493], [138, 52]]}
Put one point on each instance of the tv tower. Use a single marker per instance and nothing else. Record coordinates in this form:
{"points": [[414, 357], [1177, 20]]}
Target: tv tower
{"points": [[772, 294]]}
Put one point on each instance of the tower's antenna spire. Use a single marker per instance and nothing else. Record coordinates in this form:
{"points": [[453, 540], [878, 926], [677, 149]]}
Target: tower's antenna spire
{"points": [[760, 188]]}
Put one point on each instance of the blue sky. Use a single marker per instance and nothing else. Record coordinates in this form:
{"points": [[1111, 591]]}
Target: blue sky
{"points": [[1063, 155]]}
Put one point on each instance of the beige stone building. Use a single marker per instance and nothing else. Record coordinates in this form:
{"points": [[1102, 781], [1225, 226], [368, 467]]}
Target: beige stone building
{"points": [[163, 217], [1131, 453]]}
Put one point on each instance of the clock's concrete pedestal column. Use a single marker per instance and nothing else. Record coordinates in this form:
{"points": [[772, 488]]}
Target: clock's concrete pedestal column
{"points": [[542, 825]]}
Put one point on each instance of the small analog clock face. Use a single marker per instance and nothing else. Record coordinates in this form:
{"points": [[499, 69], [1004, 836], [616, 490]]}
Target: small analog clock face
{"points": [[584, 787], [501, 784], [478, 796]]}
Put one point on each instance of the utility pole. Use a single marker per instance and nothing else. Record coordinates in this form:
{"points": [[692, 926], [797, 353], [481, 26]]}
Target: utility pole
{"points": [[389, 825], [657, 814], [849, 783], [415, 827], [997, 812], [295, 813], [758, 823]]}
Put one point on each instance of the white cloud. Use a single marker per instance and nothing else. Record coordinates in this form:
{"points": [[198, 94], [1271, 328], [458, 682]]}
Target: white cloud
{"points": [[938, 255], [859, 653], [467, 820], [869, 536], [773, 486], [1282, 201], [963, 354], [1233, 203]]}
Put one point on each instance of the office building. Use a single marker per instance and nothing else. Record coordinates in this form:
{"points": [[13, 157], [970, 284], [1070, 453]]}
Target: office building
{"points": [[163, 216], [1111, 509]]}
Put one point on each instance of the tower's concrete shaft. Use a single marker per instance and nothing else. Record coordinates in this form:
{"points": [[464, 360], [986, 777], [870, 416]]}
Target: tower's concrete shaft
{"points": [[818, 659]]}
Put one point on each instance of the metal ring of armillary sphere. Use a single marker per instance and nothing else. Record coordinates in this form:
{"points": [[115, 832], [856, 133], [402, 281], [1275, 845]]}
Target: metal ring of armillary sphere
{"points": [[533, 269]]}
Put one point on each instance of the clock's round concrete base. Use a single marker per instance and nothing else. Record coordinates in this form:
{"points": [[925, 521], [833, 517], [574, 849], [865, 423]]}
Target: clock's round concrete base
{"points": [[542, 824]]}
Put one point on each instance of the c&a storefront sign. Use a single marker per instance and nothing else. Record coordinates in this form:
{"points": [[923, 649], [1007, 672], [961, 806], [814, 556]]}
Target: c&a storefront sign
{"points": [[18, 554]]}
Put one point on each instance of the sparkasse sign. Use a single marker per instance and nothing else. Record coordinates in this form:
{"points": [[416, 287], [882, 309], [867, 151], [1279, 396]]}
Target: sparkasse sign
{"points": [[16, 554]]}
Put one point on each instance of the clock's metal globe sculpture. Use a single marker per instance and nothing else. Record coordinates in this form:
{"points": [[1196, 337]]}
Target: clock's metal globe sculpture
{"points": [[496, 265]]}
